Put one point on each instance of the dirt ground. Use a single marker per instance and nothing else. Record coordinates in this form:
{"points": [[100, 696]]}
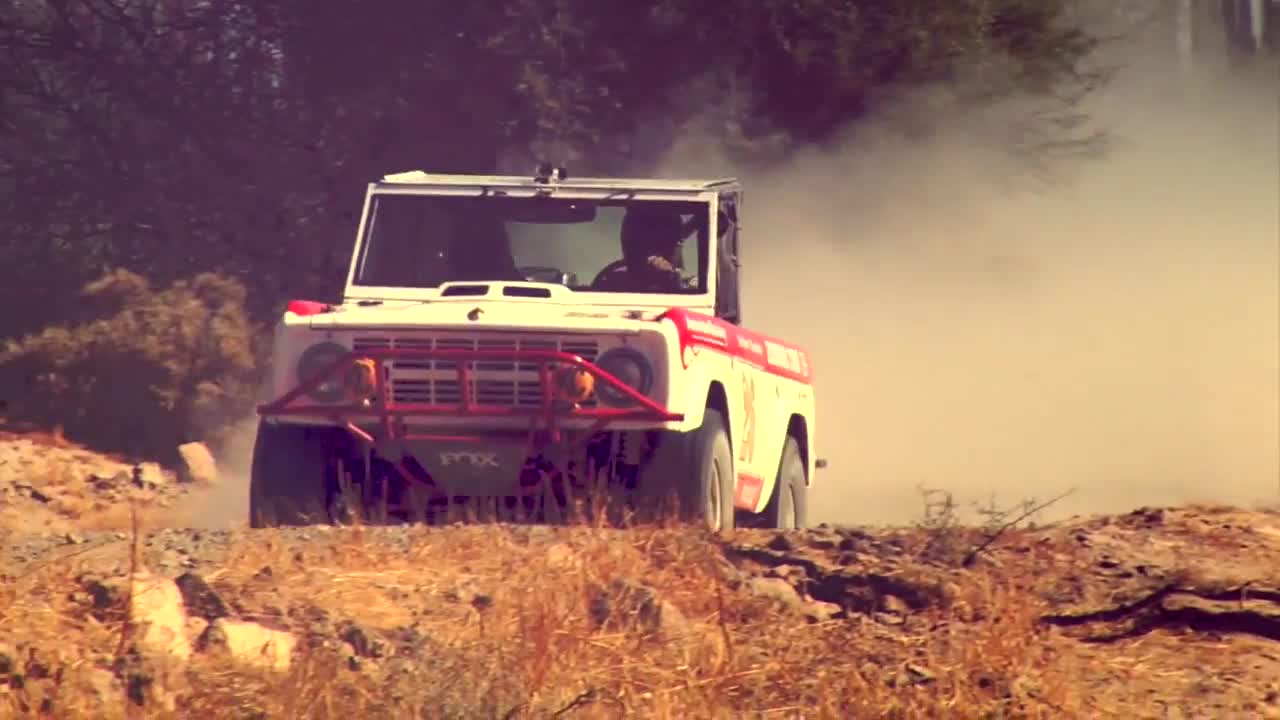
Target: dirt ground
{"points": [[1158, 613]]}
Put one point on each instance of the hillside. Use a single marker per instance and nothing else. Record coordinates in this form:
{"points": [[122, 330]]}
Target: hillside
{"points": [[1159, 613]]}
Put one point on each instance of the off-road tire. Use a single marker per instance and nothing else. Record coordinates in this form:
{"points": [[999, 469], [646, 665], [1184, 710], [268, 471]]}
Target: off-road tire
{"points": [[706, 483], [788, 507], [288, 482]]}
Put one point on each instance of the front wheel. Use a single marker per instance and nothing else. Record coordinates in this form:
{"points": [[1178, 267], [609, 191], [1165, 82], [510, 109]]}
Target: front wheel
{"points": [[707, 483], [288, 481]]}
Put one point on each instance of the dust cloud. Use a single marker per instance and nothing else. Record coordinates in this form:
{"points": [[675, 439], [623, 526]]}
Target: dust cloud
{"points": [[225, 505], [1116, 334]]}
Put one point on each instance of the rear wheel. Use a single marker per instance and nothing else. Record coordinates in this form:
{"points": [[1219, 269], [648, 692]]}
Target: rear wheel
{"points": [[788, 508], [288, 482]]}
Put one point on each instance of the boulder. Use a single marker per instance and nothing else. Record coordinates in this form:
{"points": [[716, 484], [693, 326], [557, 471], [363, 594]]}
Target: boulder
{"points": [[250, 643], [624, 603], [198, 465], [158, 616], [776, 589]]}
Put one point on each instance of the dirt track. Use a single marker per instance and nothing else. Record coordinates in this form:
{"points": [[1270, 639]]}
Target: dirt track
{"points": [[1160, 613]]}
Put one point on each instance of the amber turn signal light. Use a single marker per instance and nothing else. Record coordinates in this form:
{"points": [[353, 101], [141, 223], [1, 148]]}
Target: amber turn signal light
{"points": [[574, 384], [362, 378]]}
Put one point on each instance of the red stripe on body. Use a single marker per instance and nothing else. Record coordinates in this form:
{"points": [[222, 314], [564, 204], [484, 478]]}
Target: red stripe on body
{"points": [[769, 353]]}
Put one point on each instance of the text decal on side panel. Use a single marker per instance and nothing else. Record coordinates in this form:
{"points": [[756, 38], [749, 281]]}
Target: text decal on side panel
{"points": [[747, 447], [756, 413], [769, 354]]}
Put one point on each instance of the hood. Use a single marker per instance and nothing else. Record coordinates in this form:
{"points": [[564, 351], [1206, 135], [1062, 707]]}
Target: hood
{"points": [[478, 313]]}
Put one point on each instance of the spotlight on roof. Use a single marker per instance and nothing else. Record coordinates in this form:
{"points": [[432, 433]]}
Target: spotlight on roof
{"points": [[545, 173]]}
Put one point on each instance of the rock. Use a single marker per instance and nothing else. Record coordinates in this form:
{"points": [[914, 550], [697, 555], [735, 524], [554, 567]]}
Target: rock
{"points": [[781, 543], [250, 643], [887, 618], [776, 589], [919, 673], [361, 644], [119, 481], [201, 600], [819, 611], [148, 475], [912, 674], [106, 483], [893, 604], [352, 657], [623, 603], [794, 574], [198, 465], [825, 541], [158, 614]]}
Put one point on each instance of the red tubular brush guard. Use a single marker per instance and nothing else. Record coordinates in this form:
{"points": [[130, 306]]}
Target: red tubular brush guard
{"points": [[390, 415]]}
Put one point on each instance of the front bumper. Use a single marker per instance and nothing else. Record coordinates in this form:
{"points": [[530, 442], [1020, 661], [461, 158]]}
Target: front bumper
{"points": [[370, 414]]}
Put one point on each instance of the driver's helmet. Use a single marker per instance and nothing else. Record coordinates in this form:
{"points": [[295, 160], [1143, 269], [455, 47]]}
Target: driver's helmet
{"points": [[649, 229]]}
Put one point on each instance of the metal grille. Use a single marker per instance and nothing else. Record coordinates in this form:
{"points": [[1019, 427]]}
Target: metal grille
{"points": [[493, 382]]}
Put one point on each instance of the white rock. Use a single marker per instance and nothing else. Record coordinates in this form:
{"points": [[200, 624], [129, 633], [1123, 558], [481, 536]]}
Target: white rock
{"points": [[198, 465], [151, 473], [159, 616], [252, 644]]}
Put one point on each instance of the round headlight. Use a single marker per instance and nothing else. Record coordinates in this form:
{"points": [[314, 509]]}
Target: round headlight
{"points": [[313, 361], [631, 367]]}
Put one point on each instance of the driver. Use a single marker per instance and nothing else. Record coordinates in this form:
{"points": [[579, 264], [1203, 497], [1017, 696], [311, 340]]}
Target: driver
{"points": [[651, 239]]}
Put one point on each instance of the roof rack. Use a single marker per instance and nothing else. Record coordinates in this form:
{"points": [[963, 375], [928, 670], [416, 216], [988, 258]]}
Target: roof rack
{"points": [[557, 176]]}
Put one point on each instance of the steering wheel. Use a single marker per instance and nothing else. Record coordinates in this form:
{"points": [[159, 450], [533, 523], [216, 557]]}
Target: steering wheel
{"points": [[547, 274], [612, 267]]}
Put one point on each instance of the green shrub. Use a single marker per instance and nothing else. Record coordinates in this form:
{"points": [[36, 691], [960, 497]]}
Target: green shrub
{"points": [[149, 370]]}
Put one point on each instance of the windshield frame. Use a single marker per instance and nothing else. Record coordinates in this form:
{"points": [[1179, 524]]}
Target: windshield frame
{"points": [[701, 301]]}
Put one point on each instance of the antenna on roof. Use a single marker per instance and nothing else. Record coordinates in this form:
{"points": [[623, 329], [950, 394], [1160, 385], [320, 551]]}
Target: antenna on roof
{"points": [[546, 173]]}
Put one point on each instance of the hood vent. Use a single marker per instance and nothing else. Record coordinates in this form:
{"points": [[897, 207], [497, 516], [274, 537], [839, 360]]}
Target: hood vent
{"points": [[481, 290], [465, 291], [529, 292]]}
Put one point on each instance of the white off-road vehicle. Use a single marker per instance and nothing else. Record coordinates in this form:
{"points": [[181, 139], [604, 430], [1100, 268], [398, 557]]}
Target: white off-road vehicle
{"points": [[527, 339]]}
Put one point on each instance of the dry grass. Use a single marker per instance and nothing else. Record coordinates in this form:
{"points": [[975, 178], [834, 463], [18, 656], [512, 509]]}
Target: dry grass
{"points": [[503, 621], [532, 647]]}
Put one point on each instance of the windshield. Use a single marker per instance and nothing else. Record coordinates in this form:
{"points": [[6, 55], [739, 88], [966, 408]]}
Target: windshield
{"points": [[422, 241]]}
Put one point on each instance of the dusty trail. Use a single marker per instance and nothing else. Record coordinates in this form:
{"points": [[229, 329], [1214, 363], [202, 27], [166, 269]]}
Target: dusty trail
{"points": [[1111, 617]]}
